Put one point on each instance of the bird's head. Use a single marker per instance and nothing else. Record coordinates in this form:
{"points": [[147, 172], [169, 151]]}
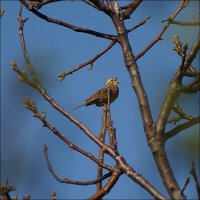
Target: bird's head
{"points": [[112, 81]]}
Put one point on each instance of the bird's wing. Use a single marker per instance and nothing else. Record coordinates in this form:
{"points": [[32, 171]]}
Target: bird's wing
{"points": [[99, 95]]}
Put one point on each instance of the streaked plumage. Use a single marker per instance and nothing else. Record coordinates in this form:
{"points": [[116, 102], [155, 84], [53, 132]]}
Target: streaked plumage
{"points": [[100, 98]]}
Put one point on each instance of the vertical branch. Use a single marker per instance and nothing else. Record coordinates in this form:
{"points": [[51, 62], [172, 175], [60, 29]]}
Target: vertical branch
{"points": [[101, 151], [194, 175]]}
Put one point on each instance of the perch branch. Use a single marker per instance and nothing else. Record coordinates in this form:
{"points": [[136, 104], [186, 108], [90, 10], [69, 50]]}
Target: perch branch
{"points": [[121, 163], [101, 137], [53, 195], [31, 106]]}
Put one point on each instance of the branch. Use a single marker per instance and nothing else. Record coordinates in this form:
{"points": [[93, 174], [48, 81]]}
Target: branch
{"points": [[177, 109], [53, 195], [101, 6], [5, 190], [89, 3], [101, 137], [31, 106], [192, 54], [109, 185], [185, 184], [121, 163], [91, 61], [139, 24], [184, 23], [69, 181], [175, 88], [194, 175], [131, 8], [38, 4], [182, 5], [182, 127], [67, 25]]}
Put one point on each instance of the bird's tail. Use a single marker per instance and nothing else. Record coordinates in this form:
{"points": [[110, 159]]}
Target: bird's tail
{"points": [[79, 106]]}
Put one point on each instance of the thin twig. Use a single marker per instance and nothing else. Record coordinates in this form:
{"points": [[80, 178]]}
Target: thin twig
{"points": [[69, 181], [185, 184], [139, 24], [159, 37], [91, 61], [177, 109], [179, 128]]}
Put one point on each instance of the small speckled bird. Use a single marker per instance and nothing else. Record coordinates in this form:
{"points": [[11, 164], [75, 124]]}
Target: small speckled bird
{"points": [[100, 98]]}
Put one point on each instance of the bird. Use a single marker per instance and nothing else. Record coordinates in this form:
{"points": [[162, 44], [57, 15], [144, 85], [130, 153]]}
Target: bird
{"points": [[100, 98]]}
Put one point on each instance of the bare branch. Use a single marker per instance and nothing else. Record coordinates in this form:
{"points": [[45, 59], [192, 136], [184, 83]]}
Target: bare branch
{"points": [[185, 184], [101, 6], [67, 25], [192, 54], [139, 24], [101, 137], [183, 23], [90, 3], [53, 195], [194, 175], [109, 185], [177, 109], [31, 106], [159, 36], [91, 61], [131, 8], [175, 87], [69, 181], [182, 127], [38, 4]]}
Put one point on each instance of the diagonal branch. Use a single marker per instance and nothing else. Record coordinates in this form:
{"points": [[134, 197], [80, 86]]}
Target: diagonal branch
{"points": [[67, 25], [182, 127], [69, 181], [91, 61], [31, 106], [182, 5], [139, 24], [185, 184]]}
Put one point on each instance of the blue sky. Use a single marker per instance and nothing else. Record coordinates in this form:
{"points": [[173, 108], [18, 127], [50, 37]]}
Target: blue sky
{"points": [[52, 50]]}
